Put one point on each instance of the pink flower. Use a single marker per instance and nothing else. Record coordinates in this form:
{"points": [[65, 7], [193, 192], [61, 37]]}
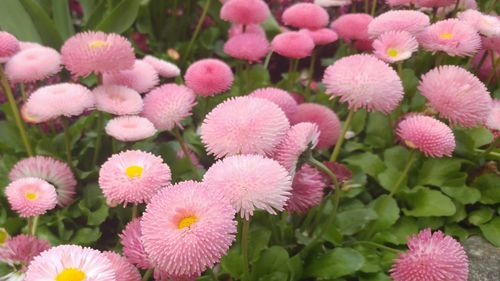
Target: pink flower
{"points": [[21, 249], [452, 36], [456, 95], [305, 15], [31, 197], [307, 190], [434, 3], [237, 29], [187, 228], [486, 67], [70, 262], [431, 256], [492, 43], [168, 105], [133, 249], [97, 52], [245, 11], [51, 170], [250, 182], [247, 46], [293, 44], [248, 125], [8, 45], [124, 271], [393, 3], [352, 26], [429, 135], [322, 36], [133, 177], [164, 68], [278, 96], [487, 25], [209, 77], [130, 128], [327, 121], [142, 77], [395, 46], [33, 64], [117, 100], [493, 121], [399, 20], [363, 81]]}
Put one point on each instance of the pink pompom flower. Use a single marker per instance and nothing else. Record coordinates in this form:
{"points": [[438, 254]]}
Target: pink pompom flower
{"points": [[133, 177], [280, 97], [33, 64], [164, 68], [208, 77], [142, 77], [395, 46], [456, 95], [97, 52], [168, 105], [8, 45], [245, 11], [327, 121], [187, 228], [493, 121], [133, 249], [394, 3], [237, 29], [66, 99], [305, 15], [70, 262], [452, 36], [247, 125], [51, 170], [363, 81], [21, 249], [247, 46], [293, 44], [130, 128], [431, 136], [124, 271], [434, 3], [431, 256], [307, 190], [399, 20], [250, 182], [117, 100], [485, 24], [31, 197], [352, 26], [322, 36]]}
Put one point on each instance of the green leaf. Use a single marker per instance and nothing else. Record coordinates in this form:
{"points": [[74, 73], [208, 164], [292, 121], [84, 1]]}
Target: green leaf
{"points": [[274, 259], [397, 233], [232, 263], [463, 194], [396, 157], [62, 18], [259, 239], [368, 162], [120, 18], [488, 186], [86, 236], [410, 81], [491, 231], [380, 276], [46, 28], [12, 14], [295, 267], [387, 211], [352, 221], [481, 216], [425, 202], [435, 171], [335, 263], [379, 132], [389, 177], [456, 231]]}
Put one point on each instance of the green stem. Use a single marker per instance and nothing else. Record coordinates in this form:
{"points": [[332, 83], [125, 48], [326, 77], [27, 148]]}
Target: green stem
{"points": [[15, 111], [374, 7], [310, 75], [400, 69], [401, 178], [483, 59], [268, 59], [494, 70], [177, 134], [134, 211], [23, 92], [340, 140], [439, 59], [67, 142], [367, 6], [244, 249], [377, 245], [291, 73], [490, 148], [33, 226], [147, 275], [212, 274], [197, 30], [98, 140], [491, 155]]}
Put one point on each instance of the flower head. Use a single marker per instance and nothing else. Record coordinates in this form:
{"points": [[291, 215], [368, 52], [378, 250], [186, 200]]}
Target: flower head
{"points": [[393, 3], [398, 20], [164, 68], [8, 45], [133, 176], [293, 44], [142, 77], [130, 128], [327, 121], [247, 125], [395, 46], [124, 271], [456, 95], [493, 121], [305, 15], [33, 64], [117, 100], [352, 26], [247, 46], [31, 196], [209, 77], [278, 96], [237, 29], [187, 228], [434, 3], [133, 249], [322, 36], [485, 24], [250, 182], [21, 249], [307, 190], [245, 11], [431, 256]]}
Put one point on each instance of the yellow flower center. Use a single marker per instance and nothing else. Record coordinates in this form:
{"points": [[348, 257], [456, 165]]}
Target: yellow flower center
{"points": [[134, 171], [31, 196], [187, 221], [71, 274], [97, 44], [4, 236], [392, 52], [446, 36]]}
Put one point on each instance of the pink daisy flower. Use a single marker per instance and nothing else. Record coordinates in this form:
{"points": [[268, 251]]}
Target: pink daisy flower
{"points": [[363, 81], [33, 64], [21, 249], [142, 77], [245, 11], [130, 128], [28, 45], [292, 151], [305, 15], [293, 44], [485, 24], [462, 6], [307, 190], [187, 228], [133, 177], [117, 100], [8, 45], [250, 182], [65, 99], [456, 95], [168, 105], [237, 29], [352, 26], [327, 121], [493, 121], [164, 68], [248, 125], [51, 170], [247, 46], [208, 77], [434, 3], [133, 249], [398, 20], [395, 46], [492, 43], [279, 97], [124, 271], [322, 36], [431, 256], [452, 36], [431, 136], [485, 70], [31, 197], [70, 262], [97, 52]]}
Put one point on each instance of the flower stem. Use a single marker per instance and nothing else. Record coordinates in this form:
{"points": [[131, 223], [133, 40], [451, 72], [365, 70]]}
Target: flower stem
{"points": [[400, 69], [480, 64], [23, 91], [197, 30], [33, 225], [377, 245], [310, 75], [340, 140], [134, 211], [147, 274], [374, 7], [291, 73], [98, 140], [494, 70], [244, 249], [401, 178], [177, 134], [492, 146], [268, 59], [67, 142]]}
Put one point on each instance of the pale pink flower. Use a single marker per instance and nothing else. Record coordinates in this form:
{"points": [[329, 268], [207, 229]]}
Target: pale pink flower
{"points": [[293, 44], [493, 121], [492, 43], [247, 46], [395, 46], [31, 197], [398, 20], [8, 45], [245, 11], [462, 6], [485, 24], [322, 36], [307, 190], [209, 77], [142, 77], [327, 121], [133, 249], [21, 249], [352, 26], [305, 15], [164, 68], [280, 97], [33, 64], [130, 128], [124, 271], [117, 100]]}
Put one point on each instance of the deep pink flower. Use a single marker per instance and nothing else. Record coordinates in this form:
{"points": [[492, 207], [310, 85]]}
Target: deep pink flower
{"points": [[307, 190], [21, 249], [8, 45], [352, 26], [209, 77], [245, 11], [278, 96], [237, 29], [305, 15], [133, 249], [247, 46], [322, 36], [293, 44], [327, 121]]}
